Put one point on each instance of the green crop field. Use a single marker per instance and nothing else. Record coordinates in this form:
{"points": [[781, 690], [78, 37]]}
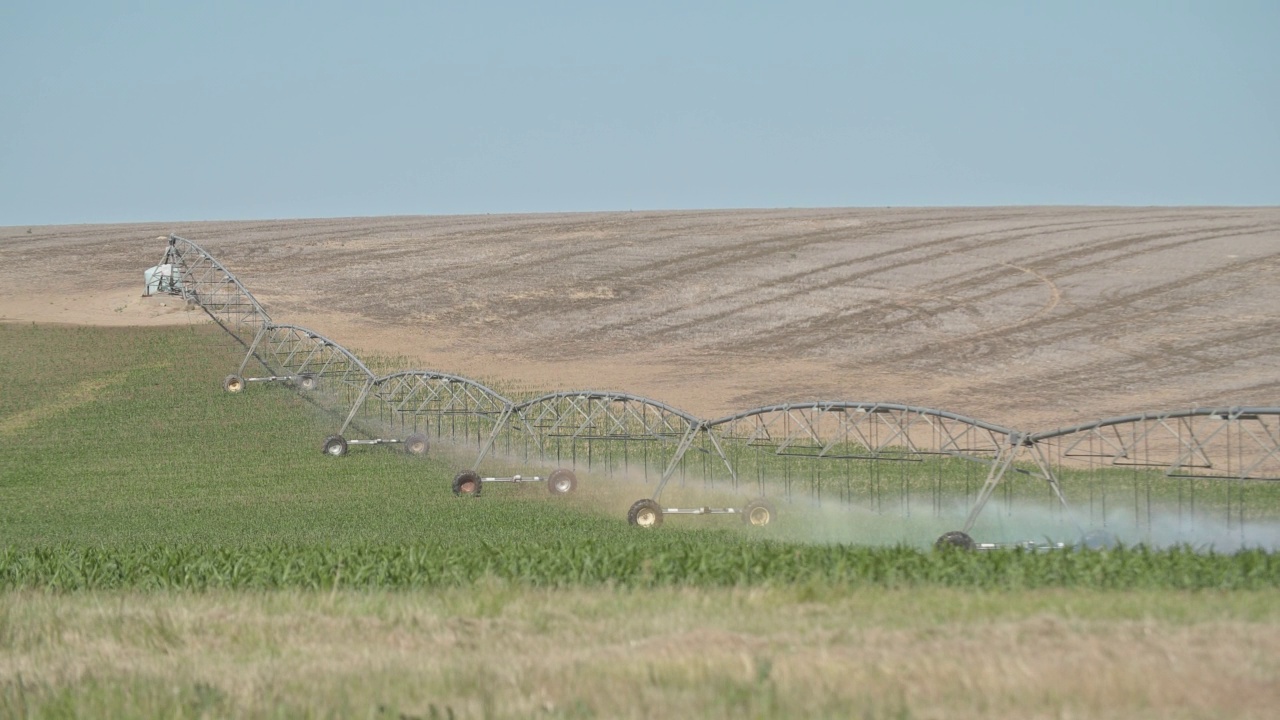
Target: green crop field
{"points": [[136, 494]]}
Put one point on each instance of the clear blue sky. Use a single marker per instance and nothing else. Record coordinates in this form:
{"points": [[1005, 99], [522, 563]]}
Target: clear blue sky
{"points": [[133, 111]]}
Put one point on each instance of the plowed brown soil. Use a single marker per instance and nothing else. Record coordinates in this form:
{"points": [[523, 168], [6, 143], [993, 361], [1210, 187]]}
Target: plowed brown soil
{"points": [[1027, 317]]}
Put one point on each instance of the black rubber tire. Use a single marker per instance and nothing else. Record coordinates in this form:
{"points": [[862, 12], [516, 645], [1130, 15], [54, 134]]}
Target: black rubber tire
{"points": [[233, 384], [955, 540], [1099, 539], [467, 482], [759, 512], [308, 382], [417, 444], [334, 445], [645, 513], [562, 482]]}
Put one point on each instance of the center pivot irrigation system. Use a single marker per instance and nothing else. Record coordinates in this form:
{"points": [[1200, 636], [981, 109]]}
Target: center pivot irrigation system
{"points": [[1135, 470]]}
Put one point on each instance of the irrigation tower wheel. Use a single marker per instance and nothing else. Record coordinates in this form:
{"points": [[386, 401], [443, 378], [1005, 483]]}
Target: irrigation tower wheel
{"points": [[467, 482], [955, 540], [1099, 539], [759, 512], [562, 482], [233, 384], [417, 444], [308, 382], [334, 445], [645, 513]]}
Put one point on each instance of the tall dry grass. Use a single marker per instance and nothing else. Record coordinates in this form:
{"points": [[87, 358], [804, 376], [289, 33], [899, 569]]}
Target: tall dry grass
{"points": [[499, 650]]}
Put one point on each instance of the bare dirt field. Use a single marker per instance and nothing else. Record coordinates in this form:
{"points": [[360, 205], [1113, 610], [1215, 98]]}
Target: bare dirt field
{"points": [[1027, 317]]}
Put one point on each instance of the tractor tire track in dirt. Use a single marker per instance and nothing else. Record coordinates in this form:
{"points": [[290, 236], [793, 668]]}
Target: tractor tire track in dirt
{"points": [[1027, 317]]}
